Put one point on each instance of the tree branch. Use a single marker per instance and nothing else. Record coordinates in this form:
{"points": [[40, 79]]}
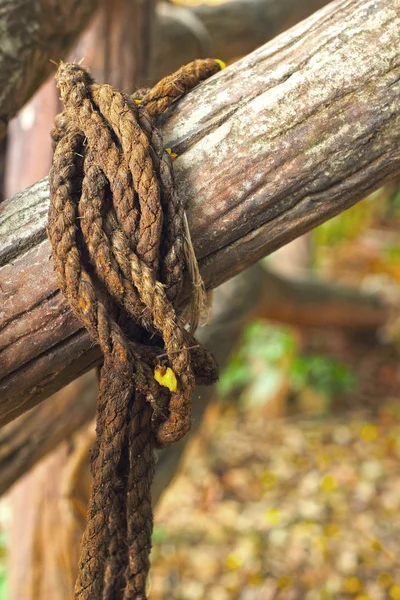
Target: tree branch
{"points": [[61, 416], [32, 32], [32, 436], [313, 303], [281, 141], [227, 30], [35, 31], [255, 293]]}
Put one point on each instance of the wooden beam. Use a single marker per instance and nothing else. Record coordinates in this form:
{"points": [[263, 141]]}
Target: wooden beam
{"points": [[254, 294], [32, 32], [35, 31], [26, 440], [279, 142], [36, 433], [227, 30]]}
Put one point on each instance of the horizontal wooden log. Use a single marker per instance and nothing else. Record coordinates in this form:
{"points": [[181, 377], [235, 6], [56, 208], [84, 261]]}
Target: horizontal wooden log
{"points": [[279, 142], [314, 303], [255, 293], [227, 30], [110, 47], [36, 433], [28, 439], [33, 32]]}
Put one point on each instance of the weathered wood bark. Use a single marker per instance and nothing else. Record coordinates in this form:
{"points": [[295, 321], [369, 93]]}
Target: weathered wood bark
{"points": [[31, 33], [112, 45], [29, 137], [256, 294], [227, 30], [283, 140], [143, 37], [25, 441], [309, 303], [34, 31], [3, 151]]}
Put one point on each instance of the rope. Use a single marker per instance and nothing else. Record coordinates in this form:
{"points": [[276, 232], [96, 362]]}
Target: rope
{"points": [[120, 246]]}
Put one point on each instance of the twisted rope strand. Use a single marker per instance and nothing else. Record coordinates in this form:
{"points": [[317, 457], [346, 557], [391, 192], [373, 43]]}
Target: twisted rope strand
{"points": [[120, 244]]}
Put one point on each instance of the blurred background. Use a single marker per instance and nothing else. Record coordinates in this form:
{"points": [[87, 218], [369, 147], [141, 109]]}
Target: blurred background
{"points": [[288, 486]]}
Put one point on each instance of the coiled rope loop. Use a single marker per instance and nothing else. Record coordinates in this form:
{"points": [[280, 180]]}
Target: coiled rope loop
{"points": [[120, 246]]}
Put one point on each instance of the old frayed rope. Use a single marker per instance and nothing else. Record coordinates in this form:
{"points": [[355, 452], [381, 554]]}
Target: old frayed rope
{"points": [[121, 246]]}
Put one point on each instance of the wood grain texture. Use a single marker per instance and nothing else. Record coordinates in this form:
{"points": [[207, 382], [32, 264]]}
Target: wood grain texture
{"points": [[34, 31], [31, 33], [286, 138]]}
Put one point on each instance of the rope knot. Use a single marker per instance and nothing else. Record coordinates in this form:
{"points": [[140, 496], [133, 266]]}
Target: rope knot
{"points": [[121, 246]]}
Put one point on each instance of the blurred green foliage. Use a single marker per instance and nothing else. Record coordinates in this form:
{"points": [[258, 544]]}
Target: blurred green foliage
{"points": [[349, 224], [379, 209], [3, 583], [327, 375], [260, 342], [159, 534], [268, 351], [391, 253], [3, 570]]}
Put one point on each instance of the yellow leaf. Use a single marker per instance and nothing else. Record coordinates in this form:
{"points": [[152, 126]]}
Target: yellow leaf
{"points": [[172, 154], [331, 530], [352, 585], [385, 579], [394, 592], [376, 545], [233, 561], [328, 483], [137, 101], [255, 579], [284, 582], [166, 377], [369, 432], [272, 517], [268, 479], [220, 63]]}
